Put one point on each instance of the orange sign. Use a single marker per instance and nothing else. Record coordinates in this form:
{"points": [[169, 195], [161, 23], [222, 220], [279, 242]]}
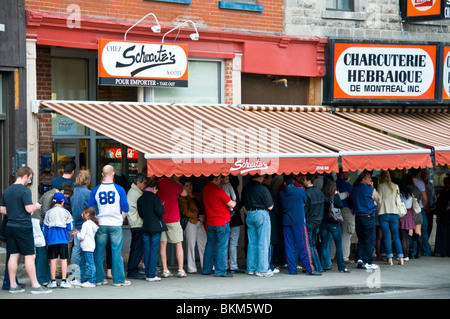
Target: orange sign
{"points": [[446, 75], [384, 71], [423, 8], [127, 63]]}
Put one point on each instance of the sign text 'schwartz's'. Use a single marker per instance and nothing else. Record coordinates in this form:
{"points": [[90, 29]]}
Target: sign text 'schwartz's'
{"points": [[144, 60], [128, 63]]}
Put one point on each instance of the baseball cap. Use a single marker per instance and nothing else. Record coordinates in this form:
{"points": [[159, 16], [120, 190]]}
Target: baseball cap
{"points": [[59, 198]]}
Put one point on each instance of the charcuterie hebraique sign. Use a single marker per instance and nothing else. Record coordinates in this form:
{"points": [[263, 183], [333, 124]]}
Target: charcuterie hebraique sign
{"points": [[372, 73]]}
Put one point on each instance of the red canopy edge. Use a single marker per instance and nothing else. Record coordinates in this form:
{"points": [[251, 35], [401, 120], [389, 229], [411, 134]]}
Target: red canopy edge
{"points": [[385, 161], [169, 167]]}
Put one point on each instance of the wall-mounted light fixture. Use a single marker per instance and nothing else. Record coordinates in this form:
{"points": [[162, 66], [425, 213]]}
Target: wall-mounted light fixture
{"points": [[155, 28], [194, 36]]}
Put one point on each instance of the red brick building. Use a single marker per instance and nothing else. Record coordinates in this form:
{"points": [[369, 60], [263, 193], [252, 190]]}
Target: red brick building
{"points": [[241, 56]]}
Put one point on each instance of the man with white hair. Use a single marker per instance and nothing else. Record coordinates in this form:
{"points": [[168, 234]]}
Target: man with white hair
{"points": [[111, 202]]}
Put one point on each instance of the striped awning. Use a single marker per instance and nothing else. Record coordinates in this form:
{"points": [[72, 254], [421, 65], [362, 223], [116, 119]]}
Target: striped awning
{"points": [[201, 139], [429, 127], [359, 147]]}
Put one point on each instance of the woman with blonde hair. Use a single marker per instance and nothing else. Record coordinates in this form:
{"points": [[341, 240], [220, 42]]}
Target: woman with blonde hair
{"points": [[78, 201], [388, 216]]}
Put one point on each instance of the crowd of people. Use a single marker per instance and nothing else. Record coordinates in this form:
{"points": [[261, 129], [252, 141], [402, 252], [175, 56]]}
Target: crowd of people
{"points": [[299, 221]]}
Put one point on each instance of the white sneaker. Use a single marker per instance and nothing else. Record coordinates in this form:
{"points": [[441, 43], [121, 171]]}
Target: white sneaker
{"points": [[264, 274], [370, 266], [276, 271], [156, 278], [166, 274], [87, 285], [52, 284], [125, 283], [104, 282], [75, 283], [65, 284], [181, 273]]}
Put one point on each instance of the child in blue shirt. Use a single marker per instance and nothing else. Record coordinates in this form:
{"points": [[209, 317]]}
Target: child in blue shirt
{"points": [[58, 223]]}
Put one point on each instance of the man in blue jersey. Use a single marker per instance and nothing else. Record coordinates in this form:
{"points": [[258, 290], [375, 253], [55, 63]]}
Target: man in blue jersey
{"points": [[112, 206]]}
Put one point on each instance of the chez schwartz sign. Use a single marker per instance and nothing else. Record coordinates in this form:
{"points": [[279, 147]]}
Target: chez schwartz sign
{"points": [[125, 63], [377, 73]]}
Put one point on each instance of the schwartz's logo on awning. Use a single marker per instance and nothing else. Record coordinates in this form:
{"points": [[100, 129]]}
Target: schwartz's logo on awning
{"points": [[127, 63]]}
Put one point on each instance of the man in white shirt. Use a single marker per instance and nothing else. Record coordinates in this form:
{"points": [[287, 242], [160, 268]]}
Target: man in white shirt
{"points": [[112, 206]]}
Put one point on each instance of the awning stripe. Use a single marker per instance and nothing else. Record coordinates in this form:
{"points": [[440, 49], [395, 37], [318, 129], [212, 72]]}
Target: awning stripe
{"points": [[192, 132], [425, 127], [347, 138]]}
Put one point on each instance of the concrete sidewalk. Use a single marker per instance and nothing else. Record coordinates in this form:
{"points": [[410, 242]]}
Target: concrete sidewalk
{"points": [[426, 272]]}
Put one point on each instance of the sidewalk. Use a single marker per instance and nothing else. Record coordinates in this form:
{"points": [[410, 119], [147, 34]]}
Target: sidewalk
{"points": [[426, 272]]}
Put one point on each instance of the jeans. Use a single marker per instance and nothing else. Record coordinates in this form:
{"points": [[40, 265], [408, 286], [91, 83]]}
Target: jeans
{"points": [[426, 248], [217, 240], [313, 232], [232, 246], [389, 227], [136, 251], [151, 247], [328, 232], [258, 231], [77, 253], [87, 267], [42, 265], [365, 230], [115, 235]]}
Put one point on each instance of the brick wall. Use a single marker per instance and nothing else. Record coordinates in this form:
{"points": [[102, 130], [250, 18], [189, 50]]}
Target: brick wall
{"points": [[229, 82], [206, 14], [44, 92]]}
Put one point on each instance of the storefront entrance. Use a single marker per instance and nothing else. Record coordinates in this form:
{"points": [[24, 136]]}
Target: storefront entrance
{"points": [[125, 167]]}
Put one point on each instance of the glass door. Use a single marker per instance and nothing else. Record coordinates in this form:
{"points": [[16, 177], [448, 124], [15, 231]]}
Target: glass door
{"points": [[125, 166], [66, 151]]}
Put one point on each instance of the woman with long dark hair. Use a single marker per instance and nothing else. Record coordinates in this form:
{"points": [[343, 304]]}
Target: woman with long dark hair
{"points": [[330, 229]]}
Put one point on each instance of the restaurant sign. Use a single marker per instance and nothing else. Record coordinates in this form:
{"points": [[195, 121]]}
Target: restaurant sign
{"points": [[376, 73], [125, 63], [446, 74], [424, 10]]}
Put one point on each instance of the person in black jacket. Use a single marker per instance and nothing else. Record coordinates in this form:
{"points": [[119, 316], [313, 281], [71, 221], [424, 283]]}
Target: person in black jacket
{"points": [[151, 211], [330, 229], [442, 245], [313, 215]]}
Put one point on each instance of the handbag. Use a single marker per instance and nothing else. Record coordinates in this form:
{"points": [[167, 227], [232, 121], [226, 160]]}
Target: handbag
{"points": [[184, 219], [334, 214], [401, 208], [416, 206]]}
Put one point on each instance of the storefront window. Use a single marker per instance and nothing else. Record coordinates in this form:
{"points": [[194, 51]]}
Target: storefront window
{"points": [[3, 130], [76, 150], [64, 126], [205, 86], [2, 107], [123, 159], [69, 79]]}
